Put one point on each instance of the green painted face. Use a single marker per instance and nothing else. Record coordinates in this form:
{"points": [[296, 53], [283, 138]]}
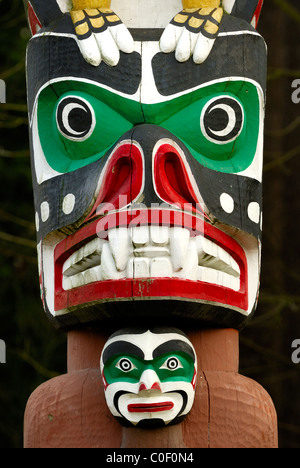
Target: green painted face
{"points": [[219, 123], [172, 367], [149, 377]]}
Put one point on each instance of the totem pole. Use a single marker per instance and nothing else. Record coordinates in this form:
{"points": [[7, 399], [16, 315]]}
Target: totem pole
{"points": [[146, 133]]}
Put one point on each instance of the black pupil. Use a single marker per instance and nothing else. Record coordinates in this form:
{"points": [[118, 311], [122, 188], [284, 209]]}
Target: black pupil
{"points": [[125, 364], [80, 120], [217, 120], [172, 364], [78, 115]]}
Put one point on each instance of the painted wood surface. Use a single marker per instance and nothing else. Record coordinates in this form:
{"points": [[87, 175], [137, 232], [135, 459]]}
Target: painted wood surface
{"points": [[230, 411], [146, 132], [147, 165]]}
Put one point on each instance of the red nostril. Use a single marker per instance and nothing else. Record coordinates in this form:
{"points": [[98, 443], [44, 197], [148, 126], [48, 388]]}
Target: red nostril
{"points": [[117, 180], [156, 386], [171, 178], [122, 179]]}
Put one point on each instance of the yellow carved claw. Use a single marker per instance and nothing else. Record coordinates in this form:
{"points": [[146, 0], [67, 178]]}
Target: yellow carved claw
{"points": [[100, 32], [193, 31]]}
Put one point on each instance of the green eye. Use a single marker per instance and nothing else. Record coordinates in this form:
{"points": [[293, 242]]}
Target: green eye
{"points": [[75, 118], [220, 125], [222, 120], [75, 127], [125, 365], [172, 364]]}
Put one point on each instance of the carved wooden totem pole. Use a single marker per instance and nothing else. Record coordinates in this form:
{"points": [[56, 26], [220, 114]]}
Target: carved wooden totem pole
{"points": [[146, 128]]}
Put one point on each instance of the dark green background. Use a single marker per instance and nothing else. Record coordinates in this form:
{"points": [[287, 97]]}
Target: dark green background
{"points": [[37, 352]]}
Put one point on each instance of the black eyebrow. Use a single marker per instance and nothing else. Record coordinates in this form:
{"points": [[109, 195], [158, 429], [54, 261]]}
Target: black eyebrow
{"points": [[121, 347], [173, 346], [225, 60]]}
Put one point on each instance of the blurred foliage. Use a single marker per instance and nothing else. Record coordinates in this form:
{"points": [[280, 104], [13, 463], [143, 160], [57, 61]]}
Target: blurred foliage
{"points": [[37, 352]]}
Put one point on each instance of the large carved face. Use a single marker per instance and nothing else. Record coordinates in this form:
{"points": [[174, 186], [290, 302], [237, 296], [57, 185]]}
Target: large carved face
{"points": [[149, 376], [147, 177]]}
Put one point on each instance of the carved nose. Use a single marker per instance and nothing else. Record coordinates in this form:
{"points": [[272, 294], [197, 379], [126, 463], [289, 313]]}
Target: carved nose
{"points": [[173, 179], [122, 180], [149, 381]]}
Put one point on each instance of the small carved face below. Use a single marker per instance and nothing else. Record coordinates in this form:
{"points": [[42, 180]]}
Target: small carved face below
{"points": [[149, 376]]}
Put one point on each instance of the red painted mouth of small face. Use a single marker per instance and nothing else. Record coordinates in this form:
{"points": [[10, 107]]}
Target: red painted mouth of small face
{"points": [[150, 407]]}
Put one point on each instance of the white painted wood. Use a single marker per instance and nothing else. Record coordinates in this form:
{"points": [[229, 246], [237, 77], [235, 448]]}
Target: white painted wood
{"points": [[228, 5], [119, 246], [179, 242], [64, 5], [146, 13], [161, 267]]}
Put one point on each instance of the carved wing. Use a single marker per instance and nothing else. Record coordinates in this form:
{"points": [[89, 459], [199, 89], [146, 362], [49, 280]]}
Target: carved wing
{"points": [[102, 35], [194, 30], [100, 32]]}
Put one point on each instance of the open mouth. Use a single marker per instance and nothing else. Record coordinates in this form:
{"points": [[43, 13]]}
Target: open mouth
{"points": [[151, 252], [150, 407], [115, 258]]}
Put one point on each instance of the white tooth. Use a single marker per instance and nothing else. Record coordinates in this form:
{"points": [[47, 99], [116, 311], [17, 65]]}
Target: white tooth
{"points": [[92, 275], [151, 251], [140, 235], [72, 282], [130, 268], [179, 241], [198, 242], [226, 258], [141, 267], [138, 268], [71, 265], [108, 266], [93, 247], [81, 279], [119, 246], [215, 257], [159, 235], [209, 247], [207, 275], [226, 280], [220, 278], [234, 266], [231, 266], [235, 283], [86, 257], [190, 268], [66, 283], [161, 267]]}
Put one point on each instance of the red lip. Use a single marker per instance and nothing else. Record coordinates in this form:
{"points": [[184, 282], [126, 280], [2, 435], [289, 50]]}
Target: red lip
{"points": [[150, 407]]}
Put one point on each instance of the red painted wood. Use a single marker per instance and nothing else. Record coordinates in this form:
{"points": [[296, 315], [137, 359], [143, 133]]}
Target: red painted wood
{"points": [[150, 288]]}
